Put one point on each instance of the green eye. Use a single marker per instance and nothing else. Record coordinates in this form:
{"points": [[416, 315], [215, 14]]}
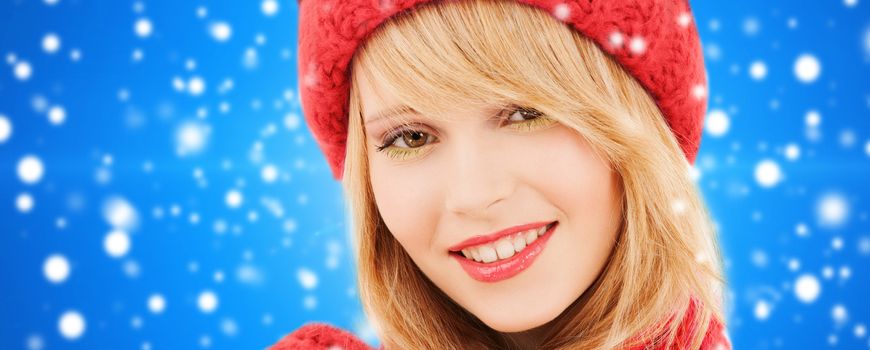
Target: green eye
{"points": [[404, 143]]}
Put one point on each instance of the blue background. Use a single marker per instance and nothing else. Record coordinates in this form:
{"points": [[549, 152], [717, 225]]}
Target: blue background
{"points": [[785, 181]]}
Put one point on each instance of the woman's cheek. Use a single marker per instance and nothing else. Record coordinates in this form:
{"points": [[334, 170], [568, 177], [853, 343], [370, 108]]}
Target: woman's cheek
{"points": [[405, 204]]}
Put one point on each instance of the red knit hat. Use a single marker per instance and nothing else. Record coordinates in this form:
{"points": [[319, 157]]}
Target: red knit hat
{"points": [[655, 41]]}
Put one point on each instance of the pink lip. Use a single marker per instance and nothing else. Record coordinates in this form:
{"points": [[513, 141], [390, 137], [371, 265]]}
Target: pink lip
{"points": [[492, 237], [504, 269]]}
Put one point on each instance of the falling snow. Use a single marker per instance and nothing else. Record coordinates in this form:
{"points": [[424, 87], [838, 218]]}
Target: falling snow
{"points": [[717, 123], [23, 70], [807, 68], [758, 70], [163, 187], [71, 325], [6, 130], [269, 7], [207, 302], [768, 173], [832, 210], [307, 278], [116, 244], [156, 304], [30, 169], [56, 115], [56, 268], [50, 43], [220, 31], [143, 27], [807, 288]]}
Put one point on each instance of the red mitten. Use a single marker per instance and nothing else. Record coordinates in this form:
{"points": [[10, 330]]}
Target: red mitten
{"points": [[320, 336]]}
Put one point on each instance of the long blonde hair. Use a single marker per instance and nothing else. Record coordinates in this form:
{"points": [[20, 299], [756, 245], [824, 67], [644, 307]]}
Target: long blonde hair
{"points": [[488, 52]]}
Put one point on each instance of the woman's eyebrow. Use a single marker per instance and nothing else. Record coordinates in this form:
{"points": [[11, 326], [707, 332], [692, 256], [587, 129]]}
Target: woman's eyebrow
{"points": [[391, 112], [396, 111]]}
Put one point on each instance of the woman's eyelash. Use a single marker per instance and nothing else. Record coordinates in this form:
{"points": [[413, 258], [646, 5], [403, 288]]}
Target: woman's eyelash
{"points": [[394, 134], [399, 131]]}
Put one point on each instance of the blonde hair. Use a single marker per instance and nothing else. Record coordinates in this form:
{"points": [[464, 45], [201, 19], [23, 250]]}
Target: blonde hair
{"points": [[494, 52]]}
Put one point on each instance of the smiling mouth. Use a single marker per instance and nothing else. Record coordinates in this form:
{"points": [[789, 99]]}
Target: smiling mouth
{"points": [[505, 257], [504, 247]]}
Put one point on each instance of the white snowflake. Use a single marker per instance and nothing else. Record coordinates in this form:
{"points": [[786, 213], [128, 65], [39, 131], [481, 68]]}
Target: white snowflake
{"points": [[768, 173], [24, 202], [23, 70], [143, 27], [234, 198], [50, 43], [307, 278], [292, 122], [717, 123], [117, 243], [792, 152], [839, 314], [562, 11], [120, 214], [807, 68], [191, 137], [269, 7], [30, 169], [56, 115], [6, 129], [71, 325], [762, 310], [196, 86], [807, 288], [156, 303], [699, 91], [684, 19], [269, 173], [207, 301], [813, 118], [637, 45], [758, 70], [220, 31], [229, 327], [832, 210], [751, 26], [56, 268]]}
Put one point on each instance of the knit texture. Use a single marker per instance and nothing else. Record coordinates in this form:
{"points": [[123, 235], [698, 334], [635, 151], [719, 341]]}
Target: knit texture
{"points": [[656, 41], [322, 336]]}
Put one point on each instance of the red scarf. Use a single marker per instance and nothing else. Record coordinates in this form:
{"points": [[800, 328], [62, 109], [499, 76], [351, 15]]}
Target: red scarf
{"points": [[322, 336]]}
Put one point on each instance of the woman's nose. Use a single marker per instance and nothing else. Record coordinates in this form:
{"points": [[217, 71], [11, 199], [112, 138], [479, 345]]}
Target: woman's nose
{"points": [[476, 177]]}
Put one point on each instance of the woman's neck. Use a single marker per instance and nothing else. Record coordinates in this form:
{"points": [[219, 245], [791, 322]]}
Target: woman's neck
{"points": [[528, 339]]}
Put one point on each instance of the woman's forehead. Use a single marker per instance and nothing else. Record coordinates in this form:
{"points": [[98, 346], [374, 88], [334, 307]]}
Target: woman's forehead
{"points": [[385, 97]]}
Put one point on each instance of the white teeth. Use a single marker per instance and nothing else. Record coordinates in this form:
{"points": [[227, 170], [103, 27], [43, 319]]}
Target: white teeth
{"points": [[519, 243], [504, 248], [531, 236], [542, 230], [487, 253]]}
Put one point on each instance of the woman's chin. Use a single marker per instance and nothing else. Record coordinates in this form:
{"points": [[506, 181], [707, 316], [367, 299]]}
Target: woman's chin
{"points": [[526, 322]]}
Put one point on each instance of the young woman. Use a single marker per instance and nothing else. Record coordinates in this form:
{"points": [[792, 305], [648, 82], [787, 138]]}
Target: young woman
{"points": [[517, 171]]}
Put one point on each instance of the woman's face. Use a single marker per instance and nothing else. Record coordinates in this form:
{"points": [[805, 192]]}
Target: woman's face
{"points": [[484, 186]]}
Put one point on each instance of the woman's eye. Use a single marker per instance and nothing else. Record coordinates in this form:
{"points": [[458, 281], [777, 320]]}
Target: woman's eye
{"points": [[405, 143], [528, 119]]}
